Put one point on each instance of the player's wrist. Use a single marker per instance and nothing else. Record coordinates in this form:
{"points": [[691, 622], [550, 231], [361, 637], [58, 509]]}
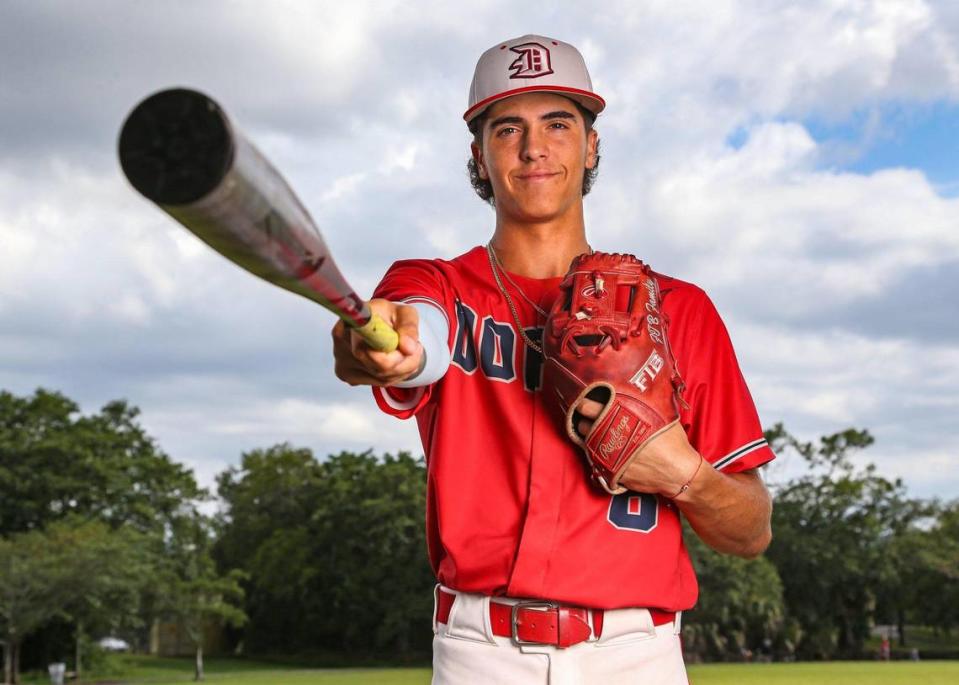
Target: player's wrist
{"points": [[419, 368], [696, 473], [687, 482]]}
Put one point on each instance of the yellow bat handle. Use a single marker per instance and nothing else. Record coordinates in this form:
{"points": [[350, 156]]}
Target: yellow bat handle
{"points": [[379, 334]]}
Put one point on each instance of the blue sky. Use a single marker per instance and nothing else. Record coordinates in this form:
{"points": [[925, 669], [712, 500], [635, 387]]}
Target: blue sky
{"points": [[921, 136]]}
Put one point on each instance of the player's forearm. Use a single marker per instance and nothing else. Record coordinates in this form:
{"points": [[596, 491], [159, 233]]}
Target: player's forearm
{"points": [[730, 512]]}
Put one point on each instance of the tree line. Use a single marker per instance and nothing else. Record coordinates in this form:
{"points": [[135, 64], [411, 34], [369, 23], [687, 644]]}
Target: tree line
{"points": [[850, 550], [102, 533]]}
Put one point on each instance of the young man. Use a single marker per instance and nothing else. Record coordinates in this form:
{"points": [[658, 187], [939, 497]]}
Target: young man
{"points": [[543, 577]]}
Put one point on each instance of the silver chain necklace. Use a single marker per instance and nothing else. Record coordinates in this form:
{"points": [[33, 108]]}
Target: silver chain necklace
{"points": [[494, 264], [499, 268]]}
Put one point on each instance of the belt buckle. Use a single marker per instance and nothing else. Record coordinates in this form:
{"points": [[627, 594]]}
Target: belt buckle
{"points": [[536, 605]]}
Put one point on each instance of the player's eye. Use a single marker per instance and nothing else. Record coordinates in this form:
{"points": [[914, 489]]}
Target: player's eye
{"points": [[506, 131]]}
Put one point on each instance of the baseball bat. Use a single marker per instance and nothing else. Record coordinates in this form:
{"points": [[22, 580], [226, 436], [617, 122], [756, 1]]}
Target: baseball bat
{"points": [[179, 149]]}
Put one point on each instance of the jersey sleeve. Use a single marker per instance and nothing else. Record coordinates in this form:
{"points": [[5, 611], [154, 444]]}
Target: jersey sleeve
{"points": [[415, 281], [721, 421]]}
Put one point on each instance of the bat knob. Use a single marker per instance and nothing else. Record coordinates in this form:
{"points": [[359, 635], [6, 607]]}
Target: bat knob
{"points": [[176, 146]]}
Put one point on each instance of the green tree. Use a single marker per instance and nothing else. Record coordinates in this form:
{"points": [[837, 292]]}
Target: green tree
{"points": [[942, 555], [106, 572], [944, 550], [831, 533], [265, 529], [30, 588], [198, 595], [75, 570], [55, 462], [740, 605], [371, 524], [923, 587], [336, 550]]}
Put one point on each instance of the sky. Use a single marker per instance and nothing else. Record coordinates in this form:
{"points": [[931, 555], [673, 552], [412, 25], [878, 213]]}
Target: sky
{"points": [[797, 160]]}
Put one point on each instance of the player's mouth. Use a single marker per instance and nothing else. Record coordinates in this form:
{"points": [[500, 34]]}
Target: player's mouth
{"points": [[535, 176]]}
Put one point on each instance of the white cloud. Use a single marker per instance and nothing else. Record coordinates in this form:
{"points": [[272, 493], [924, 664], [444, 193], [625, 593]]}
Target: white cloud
{"points": [[817, 239], [401, 159], [319, 421], [343, 186], [130, 308], [821, 380]]}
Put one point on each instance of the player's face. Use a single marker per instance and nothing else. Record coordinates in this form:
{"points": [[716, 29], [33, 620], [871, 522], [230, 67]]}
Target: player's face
{"points": [[534, 152]]}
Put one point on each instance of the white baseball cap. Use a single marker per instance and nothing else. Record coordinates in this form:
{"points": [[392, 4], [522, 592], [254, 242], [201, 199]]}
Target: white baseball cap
{"points": [[527, 64]]}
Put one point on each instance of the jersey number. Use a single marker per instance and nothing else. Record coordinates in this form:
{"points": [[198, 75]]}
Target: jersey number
{"points": [[637, 511], [495, 354]]}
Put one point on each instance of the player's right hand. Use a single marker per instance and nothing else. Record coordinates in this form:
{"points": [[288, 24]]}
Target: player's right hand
{"points": [[357, 363]]}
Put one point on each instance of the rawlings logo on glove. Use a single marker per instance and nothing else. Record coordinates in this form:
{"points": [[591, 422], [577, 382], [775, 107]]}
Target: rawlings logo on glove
{"points": [[605, 340]]}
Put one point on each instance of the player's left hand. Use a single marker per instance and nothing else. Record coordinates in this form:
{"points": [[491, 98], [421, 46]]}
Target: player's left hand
{"points": [[663, 465]]}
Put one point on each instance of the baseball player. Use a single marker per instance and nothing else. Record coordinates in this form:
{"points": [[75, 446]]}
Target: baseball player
{"points": [[543, 576]]}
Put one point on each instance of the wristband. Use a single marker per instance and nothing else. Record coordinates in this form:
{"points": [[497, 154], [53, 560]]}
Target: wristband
{"points": [[416, 373], [690, 479], [434, 332]]}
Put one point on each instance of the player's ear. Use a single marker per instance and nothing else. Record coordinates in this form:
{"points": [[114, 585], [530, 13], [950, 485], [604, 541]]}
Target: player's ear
{"points": [[592, 145], [480, 164]]}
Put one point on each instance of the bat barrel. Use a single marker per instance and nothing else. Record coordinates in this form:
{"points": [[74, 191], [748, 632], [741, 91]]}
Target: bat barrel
{"points": [[176, 146], [179, 149]]}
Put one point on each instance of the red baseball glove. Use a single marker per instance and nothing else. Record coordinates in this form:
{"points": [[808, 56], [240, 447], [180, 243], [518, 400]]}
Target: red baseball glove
{"points": [[605, 340]]}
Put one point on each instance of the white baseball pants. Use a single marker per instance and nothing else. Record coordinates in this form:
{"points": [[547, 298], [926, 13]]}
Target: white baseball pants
{"points": [[631, 651]]}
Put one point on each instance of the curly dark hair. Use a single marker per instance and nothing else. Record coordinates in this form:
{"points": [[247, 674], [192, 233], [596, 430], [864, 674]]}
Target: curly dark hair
{"points": [[484, 188]]}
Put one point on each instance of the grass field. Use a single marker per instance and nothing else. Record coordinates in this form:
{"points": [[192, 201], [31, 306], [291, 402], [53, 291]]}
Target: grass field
{"points": [[152, 671], [829, 673]]}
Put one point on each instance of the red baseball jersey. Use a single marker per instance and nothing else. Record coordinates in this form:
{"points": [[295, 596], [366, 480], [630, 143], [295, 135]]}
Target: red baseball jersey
{"points": [[510, 508]]}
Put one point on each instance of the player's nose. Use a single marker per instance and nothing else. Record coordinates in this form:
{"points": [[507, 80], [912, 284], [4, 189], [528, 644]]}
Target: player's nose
{"points": [[534, 145]]}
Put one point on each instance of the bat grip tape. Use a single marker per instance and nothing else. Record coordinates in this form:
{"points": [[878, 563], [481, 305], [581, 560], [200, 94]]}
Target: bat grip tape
{"points": [[378, 334]]}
